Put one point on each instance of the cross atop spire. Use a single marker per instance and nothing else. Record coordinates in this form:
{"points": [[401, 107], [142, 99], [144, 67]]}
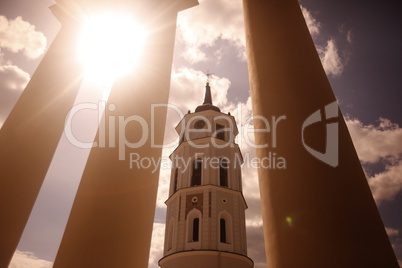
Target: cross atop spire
{"points": [[208, 76]]}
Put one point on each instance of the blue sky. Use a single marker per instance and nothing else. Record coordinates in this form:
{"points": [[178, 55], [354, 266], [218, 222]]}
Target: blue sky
{"points": [[359, 44]]}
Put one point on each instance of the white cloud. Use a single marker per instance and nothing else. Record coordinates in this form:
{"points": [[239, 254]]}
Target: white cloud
{"points": [[16, 35], [19, 35], [12, 82], [158, 235], [202, 26], [330, 59], [386, 185], [312, 24], [26, 259], [332, 62], [188, 87], [380, 144], [375, 142]]}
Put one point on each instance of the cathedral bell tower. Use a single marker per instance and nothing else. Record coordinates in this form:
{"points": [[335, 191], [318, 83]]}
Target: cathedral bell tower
{"points": [[205, 220]]}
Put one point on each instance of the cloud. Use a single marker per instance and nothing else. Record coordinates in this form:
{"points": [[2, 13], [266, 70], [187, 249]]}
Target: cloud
{"points": [[255, 246], [16, 35], [330, 59], [391, 231], [201, 27], [375, 142], [329, 55], [158, 235], [380, 144], [26, 259], [312, 24], [349, 36], [386, 185], [19, 35], [188, 88], [12, 82]]}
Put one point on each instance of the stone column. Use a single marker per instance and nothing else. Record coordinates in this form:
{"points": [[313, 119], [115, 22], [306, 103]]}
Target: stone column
{"points": [[318, 211], [111, 221], [29, 137]]}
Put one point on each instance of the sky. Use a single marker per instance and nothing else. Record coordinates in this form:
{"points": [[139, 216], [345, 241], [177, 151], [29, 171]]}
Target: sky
{"points": [[359, 45]]}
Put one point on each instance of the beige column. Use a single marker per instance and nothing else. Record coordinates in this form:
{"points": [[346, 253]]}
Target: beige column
{"points": [[111, 221], [315, 214], [29, 137]]}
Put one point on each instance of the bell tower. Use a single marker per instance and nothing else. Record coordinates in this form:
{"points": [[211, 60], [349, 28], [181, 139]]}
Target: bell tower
{"points": [[205, 220]]}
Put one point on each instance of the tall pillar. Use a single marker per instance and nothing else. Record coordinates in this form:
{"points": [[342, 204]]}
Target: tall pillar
{"points": [[29, 137], [316, 213], [111, 220]]}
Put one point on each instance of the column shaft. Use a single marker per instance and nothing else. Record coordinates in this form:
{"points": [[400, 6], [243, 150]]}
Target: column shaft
{"points": [[315, 215], [111, 221], [29, 137]]}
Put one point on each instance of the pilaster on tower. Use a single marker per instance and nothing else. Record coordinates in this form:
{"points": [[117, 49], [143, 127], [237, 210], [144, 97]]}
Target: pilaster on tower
{"points": [[205, 220]]}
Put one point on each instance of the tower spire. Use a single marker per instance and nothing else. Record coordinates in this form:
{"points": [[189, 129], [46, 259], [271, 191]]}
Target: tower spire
{"points": [[208, 96], [207, 105]]}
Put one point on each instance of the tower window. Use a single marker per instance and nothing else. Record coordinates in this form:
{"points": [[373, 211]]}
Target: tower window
{"points": [[196, 176], [223, 230], [196, 225], [223, 173], [193, 229], [220, 132]]}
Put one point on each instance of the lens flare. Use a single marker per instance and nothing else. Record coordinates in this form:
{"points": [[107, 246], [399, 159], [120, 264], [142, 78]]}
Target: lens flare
{"points": [[110, 46], [289, 220]]}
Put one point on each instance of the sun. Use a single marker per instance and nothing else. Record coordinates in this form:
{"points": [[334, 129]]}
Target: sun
{"points": [[110, 46]]}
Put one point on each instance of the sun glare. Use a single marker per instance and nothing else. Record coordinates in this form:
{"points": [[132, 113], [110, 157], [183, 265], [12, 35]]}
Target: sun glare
{"points": [[110, 46]]}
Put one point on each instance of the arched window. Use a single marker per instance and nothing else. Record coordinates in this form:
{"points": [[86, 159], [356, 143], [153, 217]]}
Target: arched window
{"points": [[196, 176], [223, 230], [193, 236], [196, 229], [223, 173]]}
